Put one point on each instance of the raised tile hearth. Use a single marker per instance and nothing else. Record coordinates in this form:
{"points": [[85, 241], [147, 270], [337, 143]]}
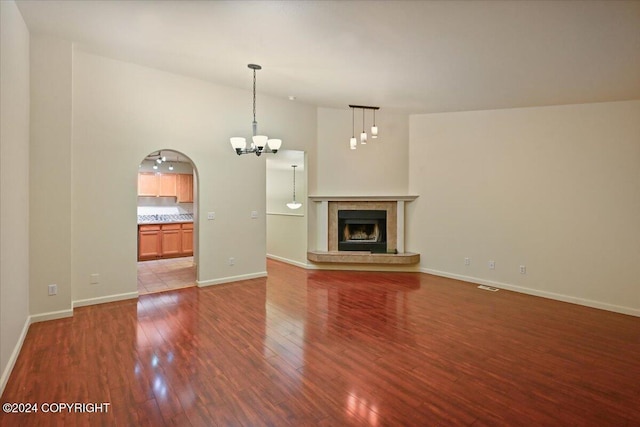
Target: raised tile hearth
{"points": [[356, 257]]}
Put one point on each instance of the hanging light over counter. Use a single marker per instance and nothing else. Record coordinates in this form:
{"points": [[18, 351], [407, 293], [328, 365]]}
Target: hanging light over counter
{"points": [[260, 143]]}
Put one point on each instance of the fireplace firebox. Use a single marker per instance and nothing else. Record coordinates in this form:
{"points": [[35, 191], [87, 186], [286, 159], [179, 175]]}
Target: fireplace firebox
{"points": [[362, 230]]}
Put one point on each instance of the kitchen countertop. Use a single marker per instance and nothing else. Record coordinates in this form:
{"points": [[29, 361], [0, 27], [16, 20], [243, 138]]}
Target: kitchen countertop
{"points": [[164, 219]]}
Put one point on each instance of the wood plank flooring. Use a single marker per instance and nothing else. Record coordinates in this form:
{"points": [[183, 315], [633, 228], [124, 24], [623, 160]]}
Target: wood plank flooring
{"points": [[319, 348]]}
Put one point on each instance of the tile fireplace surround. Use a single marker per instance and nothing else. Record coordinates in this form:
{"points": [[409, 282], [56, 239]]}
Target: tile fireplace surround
{"points": [[327, 208]]}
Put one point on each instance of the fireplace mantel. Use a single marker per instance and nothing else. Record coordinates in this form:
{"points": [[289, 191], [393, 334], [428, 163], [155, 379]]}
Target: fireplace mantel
{"points": [[406, 198], [327, 208]]}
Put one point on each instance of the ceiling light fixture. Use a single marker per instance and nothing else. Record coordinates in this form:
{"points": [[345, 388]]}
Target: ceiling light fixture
{"points": [[363, 135], [352, 142], [260, 143], [374, 128], [293, 204]]}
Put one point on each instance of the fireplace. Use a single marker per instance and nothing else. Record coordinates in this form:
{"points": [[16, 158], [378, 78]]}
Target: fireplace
{"points": [[362, 230], [365, 243]]}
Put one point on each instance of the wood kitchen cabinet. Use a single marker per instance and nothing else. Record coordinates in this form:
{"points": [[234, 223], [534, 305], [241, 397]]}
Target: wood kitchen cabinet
{"points": [[165, 240], [167, 184], [185, 188], [152, 184], [149, 242], [187, 239], [171, 240], [147, 184]]}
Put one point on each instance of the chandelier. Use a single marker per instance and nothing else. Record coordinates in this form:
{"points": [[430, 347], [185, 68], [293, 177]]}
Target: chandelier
{"points": [[259, 143]]}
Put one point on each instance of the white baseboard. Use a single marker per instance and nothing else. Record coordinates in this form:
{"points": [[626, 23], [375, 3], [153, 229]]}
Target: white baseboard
{"points": [[14, 355], [52, 315], [102, 300], [288, 261], [231, 279], [545, 294]]}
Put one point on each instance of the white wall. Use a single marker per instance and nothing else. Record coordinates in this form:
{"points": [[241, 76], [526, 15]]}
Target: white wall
{"points": [[286, 228], [50, 176], [555, 188], [14, 185], [378, 168], [124, 111]]}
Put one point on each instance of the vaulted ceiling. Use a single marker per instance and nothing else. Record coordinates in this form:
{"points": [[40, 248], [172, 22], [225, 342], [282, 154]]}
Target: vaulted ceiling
{"points": [[410, 56]]}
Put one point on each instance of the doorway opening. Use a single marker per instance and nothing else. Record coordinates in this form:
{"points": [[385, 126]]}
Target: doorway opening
{"points": [[167, 224]]}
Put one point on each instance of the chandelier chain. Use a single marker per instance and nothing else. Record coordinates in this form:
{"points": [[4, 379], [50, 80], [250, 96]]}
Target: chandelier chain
{"points": [[254, 95]]}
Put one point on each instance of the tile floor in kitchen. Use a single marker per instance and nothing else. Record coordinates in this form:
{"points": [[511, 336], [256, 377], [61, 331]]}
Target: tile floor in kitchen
{"points": [[166, 274]]}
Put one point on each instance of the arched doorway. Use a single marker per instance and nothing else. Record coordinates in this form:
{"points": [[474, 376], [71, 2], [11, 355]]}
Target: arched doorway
{"points": [[166, 207]]}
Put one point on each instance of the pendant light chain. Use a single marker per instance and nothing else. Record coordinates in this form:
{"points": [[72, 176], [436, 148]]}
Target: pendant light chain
{"points": [[294, 182], [353, 123]]}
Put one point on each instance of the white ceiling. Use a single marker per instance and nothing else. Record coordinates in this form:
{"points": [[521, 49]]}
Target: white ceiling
{"points": [[411, 56]]}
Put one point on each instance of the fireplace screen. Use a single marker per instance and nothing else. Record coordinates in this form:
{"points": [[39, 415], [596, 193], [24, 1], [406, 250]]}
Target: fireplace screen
{"points": [[362, 230]]}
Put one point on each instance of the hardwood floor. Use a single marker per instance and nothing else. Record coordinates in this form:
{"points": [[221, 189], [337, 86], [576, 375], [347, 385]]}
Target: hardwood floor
{"points": [[166, 274], [332, 349]]}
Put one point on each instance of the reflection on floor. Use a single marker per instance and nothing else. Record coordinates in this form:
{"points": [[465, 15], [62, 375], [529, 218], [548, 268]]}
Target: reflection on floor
{"points": [[166, 274]]}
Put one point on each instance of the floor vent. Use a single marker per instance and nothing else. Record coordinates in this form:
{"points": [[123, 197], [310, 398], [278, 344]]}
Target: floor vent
{"points": [[488, 288]]}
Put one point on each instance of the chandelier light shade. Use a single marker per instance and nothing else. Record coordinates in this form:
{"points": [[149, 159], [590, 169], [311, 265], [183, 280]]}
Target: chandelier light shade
{"points": [[363, 136], [294, 204], [259, 143]]}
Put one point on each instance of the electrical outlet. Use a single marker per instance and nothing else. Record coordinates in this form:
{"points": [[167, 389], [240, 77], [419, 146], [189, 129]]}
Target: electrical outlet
{"points": [[467, 261], [211, 216], [523, 269], [492, 265], [53, 289], [254, 214], [94, 278], [232, 261]]}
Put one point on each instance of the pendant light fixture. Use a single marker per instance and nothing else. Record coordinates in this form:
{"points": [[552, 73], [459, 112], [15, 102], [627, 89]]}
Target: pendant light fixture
{"points": [[260, 143], [374, 128], [363, 136], [352, 142], [293, 204]]}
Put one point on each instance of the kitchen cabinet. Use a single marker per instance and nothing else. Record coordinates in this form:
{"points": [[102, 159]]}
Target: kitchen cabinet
{"points": [[147, 184], [152, 184], [171, 240], [165, 240], [149, 242], [187, 239], [185, 188], [167, 184]]}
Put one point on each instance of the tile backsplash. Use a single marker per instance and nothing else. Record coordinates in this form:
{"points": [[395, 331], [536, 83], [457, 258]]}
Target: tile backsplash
{"points": [[162, 206]]}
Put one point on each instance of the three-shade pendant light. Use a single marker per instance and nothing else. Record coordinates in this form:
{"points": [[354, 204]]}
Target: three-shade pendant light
{"points": [[353, 144]]}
